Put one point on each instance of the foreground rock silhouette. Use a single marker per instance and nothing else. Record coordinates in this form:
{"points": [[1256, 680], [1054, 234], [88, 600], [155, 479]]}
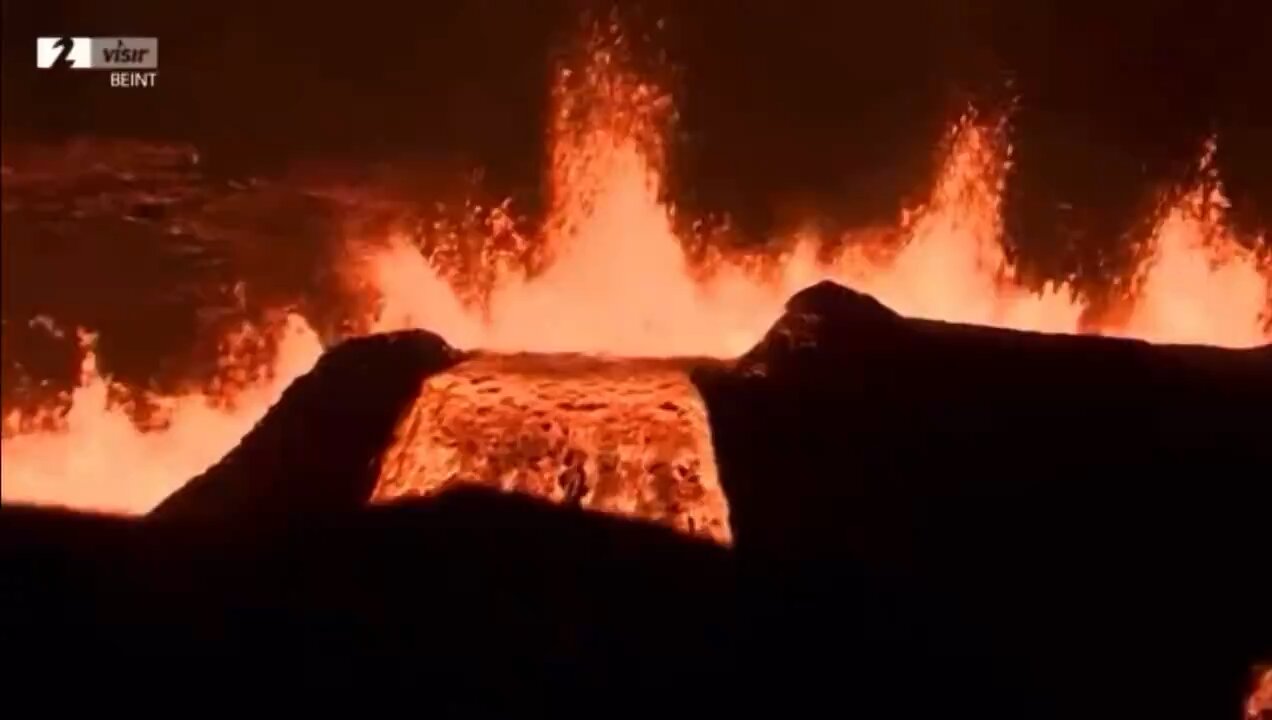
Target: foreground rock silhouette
{"points": [[929, 520], [1089, 511]]}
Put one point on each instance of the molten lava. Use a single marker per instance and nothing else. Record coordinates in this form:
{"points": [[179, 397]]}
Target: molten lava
{"points": [[616, 280], [1199, 284], [616, 435], [96, 457], [1259, 704]]}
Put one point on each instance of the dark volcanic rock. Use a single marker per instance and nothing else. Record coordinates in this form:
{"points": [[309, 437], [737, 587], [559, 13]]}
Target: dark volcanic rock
{"points": [[470, 599], [1089, 508], [318, 448], [842, 387]]}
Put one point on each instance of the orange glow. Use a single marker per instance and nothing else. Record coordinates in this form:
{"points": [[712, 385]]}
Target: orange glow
{"points": [[620, 436], [1259, 704], [951, 265], [616, 281], [97, 457], [1198, 283]]}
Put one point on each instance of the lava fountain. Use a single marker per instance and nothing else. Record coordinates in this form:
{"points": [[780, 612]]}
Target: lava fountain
{"points": [[616, 283], [1198, 283], [95, 456]]}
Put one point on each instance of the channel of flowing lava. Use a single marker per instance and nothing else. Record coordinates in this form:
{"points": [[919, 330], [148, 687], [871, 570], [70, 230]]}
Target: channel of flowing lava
{"points": [[619, 283], [620, 435]]}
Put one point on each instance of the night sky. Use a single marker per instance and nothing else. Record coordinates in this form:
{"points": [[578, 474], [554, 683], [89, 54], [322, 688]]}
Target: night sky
{"points": [[790, 110]]}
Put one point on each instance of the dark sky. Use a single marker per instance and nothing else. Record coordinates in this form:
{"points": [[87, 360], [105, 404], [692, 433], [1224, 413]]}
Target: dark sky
{"points": [[788, 106]]}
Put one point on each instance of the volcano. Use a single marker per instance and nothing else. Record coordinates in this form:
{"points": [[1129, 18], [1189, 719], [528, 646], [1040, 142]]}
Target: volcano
{"points": [[859, 387], [1045, 518], [535, 413]]}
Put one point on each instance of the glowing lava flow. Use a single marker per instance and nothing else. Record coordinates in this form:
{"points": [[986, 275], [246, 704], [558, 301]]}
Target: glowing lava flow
{"points": [[618, 283], [620, 436], [97, 458], [1259, 704]]}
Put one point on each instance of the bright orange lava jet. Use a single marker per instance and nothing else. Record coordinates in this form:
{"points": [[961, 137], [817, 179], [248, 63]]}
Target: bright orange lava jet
{"points": [[618, 283]]}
